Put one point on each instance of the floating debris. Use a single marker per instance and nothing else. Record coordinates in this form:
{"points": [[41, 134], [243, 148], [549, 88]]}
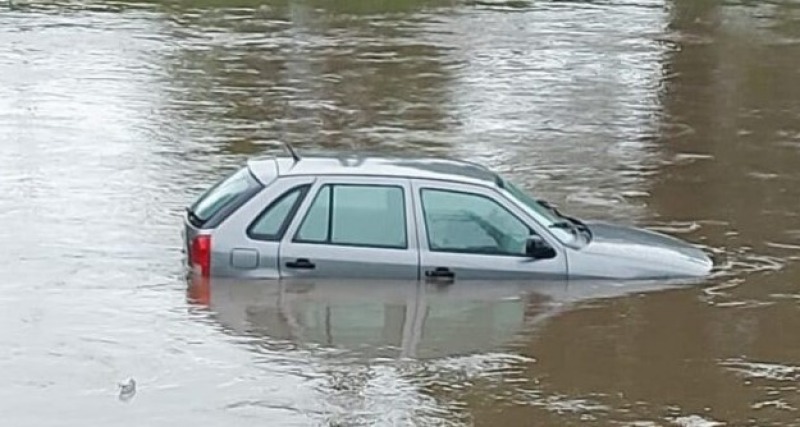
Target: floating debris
{"points": [[127, 390]]}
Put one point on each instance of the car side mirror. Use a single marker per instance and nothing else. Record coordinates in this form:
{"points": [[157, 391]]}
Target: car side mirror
{"points": [[536, 247]]}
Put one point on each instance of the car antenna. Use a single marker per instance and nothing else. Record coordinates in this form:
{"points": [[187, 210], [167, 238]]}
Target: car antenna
{"points": [[291, 151]]}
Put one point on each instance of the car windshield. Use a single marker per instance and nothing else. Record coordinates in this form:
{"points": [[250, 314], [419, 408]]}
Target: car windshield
{"points": [[546, 215]]}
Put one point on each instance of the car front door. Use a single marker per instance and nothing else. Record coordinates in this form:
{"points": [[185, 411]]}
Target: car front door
{"points": [[473, 232], [353, 227]]}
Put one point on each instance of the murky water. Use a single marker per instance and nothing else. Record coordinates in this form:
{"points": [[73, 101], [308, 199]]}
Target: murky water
{"points": [[683, 116]]}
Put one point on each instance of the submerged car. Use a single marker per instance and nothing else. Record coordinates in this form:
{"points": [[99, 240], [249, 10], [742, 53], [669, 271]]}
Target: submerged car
{"points": [[373, 217]]}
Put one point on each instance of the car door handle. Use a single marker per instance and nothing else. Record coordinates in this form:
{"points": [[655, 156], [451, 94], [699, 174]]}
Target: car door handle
{"points": [[440, 272], [301, 264]]}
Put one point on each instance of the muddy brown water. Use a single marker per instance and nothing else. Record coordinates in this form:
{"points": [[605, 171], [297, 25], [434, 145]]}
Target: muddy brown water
{"points": [[682, 116]]}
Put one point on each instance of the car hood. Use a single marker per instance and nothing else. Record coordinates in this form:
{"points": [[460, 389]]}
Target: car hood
{"points": [[648, 248]]}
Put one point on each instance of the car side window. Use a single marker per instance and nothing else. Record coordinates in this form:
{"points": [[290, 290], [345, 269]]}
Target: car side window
{"points": [[471, 223], [356, 215], [273, 221]]}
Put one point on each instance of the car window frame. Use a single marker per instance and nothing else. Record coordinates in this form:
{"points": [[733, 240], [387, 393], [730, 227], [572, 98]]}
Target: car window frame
{"points": [[346, 183], [488, 190], [304, 189], [424, 218]]}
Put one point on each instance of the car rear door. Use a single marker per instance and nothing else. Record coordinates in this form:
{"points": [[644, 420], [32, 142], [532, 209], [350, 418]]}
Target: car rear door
{"points": [[353, 227], [473, 232], [247, 244]]}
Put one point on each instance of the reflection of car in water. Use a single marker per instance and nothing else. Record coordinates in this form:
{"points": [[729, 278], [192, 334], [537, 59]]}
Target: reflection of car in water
{"points": [[391, 318]]}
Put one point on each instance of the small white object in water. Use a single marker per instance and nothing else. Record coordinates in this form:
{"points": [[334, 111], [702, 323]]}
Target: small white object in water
{"points": [[696, 421], [127, 390]]}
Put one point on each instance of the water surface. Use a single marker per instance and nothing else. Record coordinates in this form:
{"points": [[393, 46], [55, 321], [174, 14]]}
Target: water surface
{"points": [[682, 116]]}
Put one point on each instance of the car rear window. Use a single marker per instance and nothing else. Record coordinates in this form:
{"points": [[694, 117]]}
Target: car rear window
{"points": [[272, 223], [356, 215], [223, 198]]}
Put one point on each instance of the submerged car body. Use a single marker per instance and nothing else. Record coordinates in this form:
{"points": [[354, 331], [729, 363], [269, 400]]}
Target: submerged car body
{"points": [[409, 218]]}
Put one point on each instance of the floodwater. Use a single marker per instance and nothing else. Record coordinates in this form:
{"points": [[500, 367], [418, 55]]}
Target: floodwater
{"points": [[682, 116]]}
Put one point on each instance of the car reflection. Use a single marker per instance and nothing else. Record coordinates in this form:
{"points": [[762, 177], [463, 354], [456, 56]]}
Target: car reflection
{"points": [[394, 318]]}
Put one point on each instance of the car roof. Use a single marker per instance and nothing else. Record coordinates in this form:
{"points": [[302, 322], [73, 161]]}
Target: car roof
{"points": [[436, 168]]}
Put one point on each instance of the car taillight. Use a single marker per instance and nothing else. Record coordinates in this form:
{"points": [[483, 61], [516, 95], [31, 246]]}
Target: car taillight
{"points": [[200, 256]]}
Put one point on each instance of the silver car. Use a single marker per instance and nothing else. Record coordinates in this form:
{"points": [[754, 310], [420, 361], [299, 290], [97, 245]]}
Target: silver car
{"points": [[409, 218]]}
